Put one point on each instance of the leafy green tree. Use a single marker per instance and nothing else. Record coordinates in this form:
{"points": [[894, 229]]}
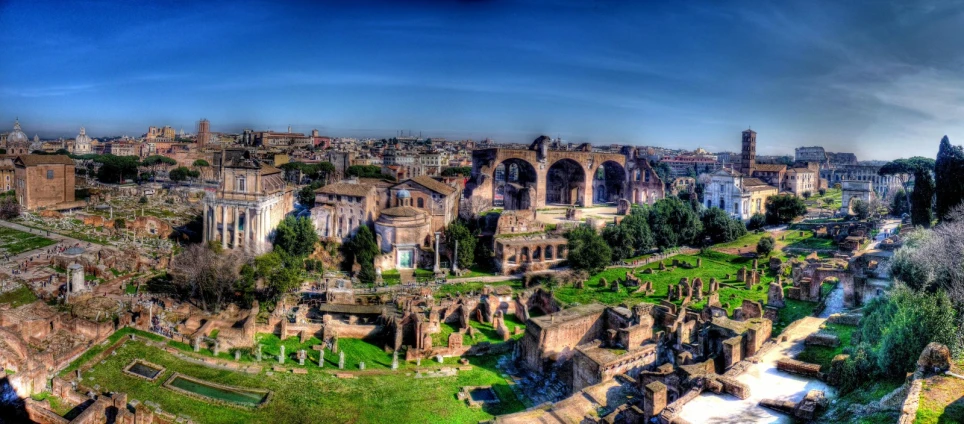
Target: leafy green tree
{"points": [[783, 208], [948, 178], [904, 169], [246, 285], [673, 223], [362, 248], [367, 171], [902, 324], [637, 224], [116, 169], [587, 250], [860, 208], [179, 174], [620, 240], [757, 221], [200, 163], [765, 245], [280, 272], [898, 205], [464, 171], [154, 161], [306, 195], [720, 227], [323, 172], [458, 231], [296, 236]]}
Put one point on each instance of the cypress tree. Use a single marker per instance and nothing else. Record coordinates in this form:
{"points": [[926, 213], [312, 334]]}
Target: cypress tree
{"points": [[948, 178]]}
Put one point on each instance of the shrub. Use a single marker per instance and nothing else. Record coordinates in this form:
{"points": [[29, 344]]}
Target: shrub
{"points": [[765, 246]]}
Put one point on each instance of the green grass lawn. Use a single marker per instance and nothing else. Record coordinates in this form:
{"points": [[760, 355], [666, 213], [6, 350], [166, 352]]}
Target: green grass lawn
{"points": [[715, 265], [823, 355], [14, 242], [457, 288], [18, 297], [749, 240], [379, 396], [475, 271], [391, 277], [792, 311]]}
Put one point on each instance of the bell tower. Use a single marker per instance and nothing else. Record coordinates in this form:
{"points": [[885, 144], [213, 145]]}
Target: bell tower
{"points": [[748, 156]]}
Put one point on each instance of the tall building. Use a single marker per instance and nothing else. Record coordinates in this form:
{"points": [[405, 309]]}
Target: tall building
{"points": [[43, 180], [203, 132], [748, 152]]}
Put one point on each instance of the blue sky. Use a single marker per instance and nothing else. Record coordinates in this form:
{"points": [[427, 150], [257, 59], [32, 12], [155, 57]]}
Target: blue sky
{"points": [[881, 79]]}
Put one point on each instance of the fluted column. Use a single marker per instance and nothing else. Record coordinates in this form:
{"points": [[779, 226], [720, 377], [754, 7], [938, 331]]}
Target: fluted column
{"points": [[224, 226], [237, 227]]}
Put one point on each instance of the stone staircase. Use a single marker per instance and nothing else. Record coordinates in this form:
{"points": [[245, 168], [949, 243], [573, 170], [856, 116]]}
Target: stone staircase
{"points": [[406, 276]]}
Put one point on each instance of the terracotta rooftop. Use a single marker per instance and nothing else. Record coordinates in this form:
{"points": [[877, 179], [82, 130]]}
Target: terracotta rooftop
{"points": [[33, 160], [434, 185], [403, 211], [767, 167], [347, 189]]}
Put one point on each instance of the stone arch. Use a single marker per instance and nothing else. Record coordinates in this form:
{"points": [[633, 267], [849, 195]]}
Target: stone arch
{"points": [[609, 181], [566, 183], [511, 180], [548, 253]]}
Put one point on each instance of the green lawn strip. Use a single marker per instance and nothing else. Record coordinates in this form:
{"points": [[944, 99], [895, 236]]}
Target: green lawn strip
{"points": [[474, 286], [14, 241], [391, 277], [715, 265], [823, 355], [113, 338], [18, 297], [790, 312], [941, 402], [379, 397]]}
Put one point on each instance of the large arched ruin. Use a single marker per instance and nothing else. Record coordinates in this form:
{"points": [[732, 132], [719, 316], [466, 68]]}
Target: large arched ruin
{"points": [[540, 176]]}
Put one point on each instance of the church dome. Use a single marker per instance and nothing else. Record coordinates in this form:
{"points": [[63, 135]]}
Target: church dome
{"points": [[17, 135], [82, 138], [404, 194]]}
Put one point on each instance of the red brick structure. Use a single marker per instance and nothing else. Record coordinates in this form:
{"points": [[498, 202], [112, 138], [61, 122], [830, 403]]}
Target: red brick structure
{"points": [[43, 181]]}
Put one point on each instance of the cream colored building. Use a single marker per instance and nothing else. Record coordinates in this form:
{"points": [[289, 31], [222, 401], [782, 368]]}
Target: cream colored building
{"points": [[739, 196], [800, 180], [252, 199]]}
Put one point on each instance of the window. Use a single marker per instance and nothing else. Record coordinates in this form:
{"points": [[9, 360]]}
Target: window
{"points": [[241, 185], [421, 202], [50, 174]]}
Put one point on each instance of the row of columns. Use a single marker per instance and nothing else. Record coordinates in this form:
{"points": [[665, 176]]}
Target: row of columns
{"points": [[257, 223]]}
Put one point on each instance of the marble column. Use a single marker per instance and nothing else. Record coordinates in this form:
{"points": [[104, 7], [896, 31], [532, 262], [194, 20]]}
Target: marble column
{"points": [[224, 226], [249, 227], [237, 226], [437, 269]]}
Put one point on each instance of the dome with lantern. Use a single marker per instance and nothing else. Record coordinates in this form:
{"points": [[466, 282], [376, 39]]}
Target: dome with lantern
{"points": [[17, 135], [82, 142]]}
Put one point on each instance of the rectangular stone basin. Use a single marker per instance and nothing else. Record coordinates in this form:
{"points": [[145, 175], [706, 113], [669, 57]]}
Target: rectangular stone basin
{"points": [[234, 395], [145, 371], [483, 395]]}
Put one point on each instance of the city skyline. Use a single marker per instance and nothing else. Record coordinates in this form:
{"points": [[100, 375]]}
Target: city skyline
{"points": [[862, 78]]}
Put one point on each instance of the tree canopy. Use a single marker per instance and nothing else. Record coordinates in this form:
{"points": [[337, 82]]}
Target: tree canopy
{"points": [[587, 250], [362, 248], [182, 173], [466, 249], [367, 171], [948, 178], [116, 169], [200, 163], [783, 208], [765, 245], [720, 227], [673, 223], [296, 236], [922, 199], [464, 171]]}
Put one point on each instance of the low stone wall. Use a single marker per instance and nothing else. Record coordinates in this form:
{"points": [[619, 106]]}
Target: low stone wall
{"points": [[822, 339], [670, 414], [852, 320], [794, 366], [908, 411], [167, 385], [38, 413]]}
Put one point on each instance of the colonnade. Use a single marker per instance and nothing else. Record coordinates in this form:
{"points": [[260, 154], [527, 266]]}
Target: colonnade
{"points": [[257, 224]]}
